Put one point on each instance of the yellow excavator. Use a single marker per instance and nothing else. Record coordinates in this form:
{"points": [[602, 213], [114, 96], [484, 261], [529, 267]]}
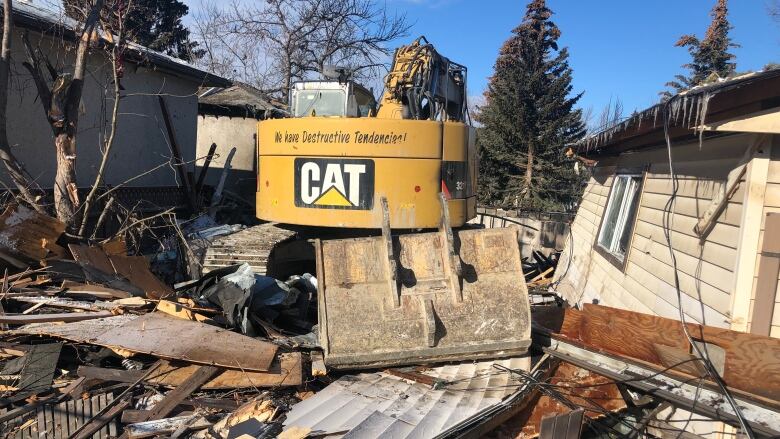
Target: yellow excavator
{"points": [[390, 182]]}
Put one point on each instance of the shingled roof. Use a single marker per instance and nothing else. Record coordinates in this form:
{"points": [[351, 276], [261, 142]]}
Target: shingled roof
{"points": [[45, 19]]}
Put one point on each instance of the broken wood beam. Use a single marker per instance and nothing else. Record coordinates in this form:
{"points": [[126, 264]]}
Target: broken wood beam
{"points": [[177, 155], [99, 421], [285, 371], [23, 319], [175, 397], [205, 168]]}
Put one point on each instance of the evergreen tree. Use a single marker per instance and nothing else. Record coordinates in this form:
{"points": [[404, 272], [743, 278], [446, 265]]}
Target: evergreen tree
{"points": [[528, 119], [710, 56], [156, 24]]}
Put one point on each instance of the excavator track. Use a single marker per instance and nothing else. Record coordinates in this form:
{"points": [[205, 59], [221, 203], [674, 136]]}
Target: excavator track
{"points": [[252, 245]]}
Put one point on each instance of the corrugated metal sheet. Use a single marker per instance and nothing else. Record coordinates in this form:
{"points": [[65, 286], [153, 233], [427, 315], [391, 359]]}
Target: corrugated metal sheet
{"points": [[59, 421], [380, 405]]}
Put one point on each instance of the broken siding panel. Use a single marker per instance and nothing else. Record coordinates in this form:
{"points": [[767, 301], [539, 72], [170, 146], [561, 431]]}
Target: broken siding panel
{"points": [[694, 207], [722, 233], [702, 188], [710, 274], [711, 252]]}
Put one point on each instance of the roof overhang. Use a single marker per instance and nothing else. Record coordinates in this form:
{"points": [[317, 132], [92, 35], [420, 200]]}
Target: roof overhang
{"points": [[748, 103], [48, 22]]}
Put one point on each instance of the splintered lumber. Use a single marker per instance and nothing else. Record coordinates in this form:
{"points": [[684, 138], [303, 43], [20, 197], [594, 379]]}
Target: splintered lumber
{"points": [[178, 310], [21, 319], [166, 337], [176, 396], [136, 270], [28, 233], [58, 302], [285, 371], [19, 411], [133, 268], [97, 291], [744, 360]]}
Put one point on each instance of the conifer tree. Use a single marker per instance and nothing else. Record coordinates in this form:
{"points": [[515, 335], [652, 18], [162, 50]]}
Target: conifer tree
{"points": [[528, 119], [710, 56], [156, 24]]}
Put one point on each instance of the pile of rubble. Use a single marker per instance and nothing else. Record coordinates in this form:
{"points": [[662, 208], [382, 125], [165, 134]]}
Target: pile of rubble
{"points": [[94, 344]]}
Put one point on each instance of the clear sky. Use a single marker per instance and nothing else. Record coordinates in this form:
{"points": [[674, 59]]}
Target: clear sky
{"points": [[619, 48]]}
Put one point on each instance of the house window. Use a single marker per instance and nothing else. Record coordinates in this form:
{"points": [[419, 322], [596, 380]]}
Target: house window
{"points": [[618, 221]]}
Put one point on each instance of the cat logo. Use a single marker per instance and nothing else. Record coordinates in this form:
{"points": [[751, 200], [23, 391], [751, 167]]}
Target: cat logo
{"points": [[334, 183]]}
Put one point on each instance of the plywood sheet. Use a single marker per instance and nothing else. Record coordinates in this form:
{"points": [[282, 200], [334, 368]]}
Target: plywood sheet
{"points": [[748, 358], [166, 337], [26, 232], [136, 270], [133, 268]]}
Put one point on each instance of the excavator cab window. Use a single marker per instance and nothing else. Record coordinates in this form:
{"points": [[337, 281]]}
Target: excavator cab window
{"points": [[332, 99], [320, 103]]}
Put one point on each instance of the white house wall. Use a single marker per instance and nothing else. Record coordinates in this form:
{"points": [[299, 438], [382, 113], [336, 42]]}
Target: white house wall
{"points": [[141, 141], [229, 132], [647, 282]]}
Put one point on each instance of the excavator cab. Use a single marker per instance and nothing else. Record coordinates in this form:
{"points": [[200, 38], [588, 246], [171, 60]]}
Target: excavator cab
{"points": [[331, 99]]}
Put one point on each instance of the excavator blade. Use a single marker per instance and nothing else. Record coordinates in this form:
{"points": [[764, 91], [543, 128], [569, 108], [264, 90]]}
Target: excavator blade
{"points": [[422, 297]]}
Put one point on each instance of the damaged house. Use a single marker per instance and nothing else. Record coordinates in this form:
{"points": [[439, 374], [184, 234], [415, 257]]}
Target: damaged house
{"points": [[717, 207], [148, 142], [228, 119]]}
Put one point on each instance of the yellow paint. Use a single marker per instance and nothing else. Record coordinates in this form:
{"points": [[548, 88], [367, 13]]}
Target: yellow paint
{"points": [[396, 179], [332, 197], [407, 157]]}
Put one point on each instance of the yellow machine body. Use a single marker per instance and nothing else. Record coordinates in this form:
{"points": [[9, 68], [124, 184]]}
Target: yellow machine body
{"points": [[339, 162], [333, 172]]}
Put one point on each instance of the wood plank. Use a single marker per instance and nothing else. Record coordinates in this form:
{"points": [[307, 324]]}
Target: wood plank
{"points": [[750, 227], [768, 273], [286, 371], [23, 319], [19, 411], [172, 399], [136, 270], [166, 337], [749, 358], [98, 291], [29, 233], [93, 256], [720, 200]]}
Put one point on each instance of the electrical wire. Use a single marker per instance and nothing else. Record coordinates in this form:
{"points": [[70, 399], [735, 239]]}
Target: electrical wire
{"points": [[667, 219]]}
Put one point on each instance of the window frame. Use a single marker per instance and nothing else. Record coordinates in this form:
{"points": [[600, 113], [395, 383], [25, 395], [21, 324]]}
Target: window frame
{"points": [[613, 258]]}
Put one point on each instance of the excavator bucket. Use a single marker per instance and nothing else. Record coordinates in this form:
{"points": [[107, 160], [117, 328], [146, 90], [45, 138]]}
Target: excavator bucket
{"points": [[422, 297]]}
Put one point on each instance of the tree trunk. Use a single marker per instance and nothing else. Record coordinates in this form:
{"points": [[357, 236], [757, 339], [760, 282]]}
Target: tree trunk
{"points": [[529, 171], [66, 198], [12, 165]]}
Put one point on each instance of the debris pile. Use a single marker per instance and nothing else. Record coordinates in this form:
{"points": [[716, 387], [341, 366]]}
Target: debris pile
{"points": [[94, 344]]}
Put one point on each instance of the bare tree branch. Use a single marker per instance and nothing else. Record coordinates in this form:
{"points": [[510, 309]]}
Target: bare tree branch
{"points": [[275, 43]]}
